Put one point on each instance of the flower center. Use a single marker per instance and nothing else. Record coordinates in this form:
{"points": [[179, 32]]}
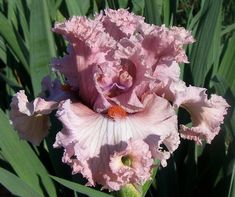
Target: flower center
{"points": [[116, 111], [126, 161]]}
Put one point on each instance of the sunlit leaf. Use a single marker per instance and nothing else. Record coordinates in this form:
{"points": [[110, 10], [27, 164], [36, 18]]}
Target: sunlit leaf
{"points": [[41, 43], [80, 188], [123, 3], [77, 7], [138, 6], [204, 37], [23, 159], [227, 67], [153, 11], [16, 185], [3, 54], [9, 35]]}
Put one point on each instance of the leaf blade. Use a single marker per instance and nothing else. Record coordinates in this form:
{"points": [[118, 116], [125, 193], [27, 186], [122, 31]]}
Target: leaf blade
{"points": [[80, 188], [41, 43], [10, 36], [15, 185], [204, 36], [25, 163], [77, 7]]}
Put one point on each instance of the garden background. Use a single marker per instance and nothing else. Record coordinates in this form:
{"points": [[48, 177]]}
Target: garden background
{"points": [[27, 46]]}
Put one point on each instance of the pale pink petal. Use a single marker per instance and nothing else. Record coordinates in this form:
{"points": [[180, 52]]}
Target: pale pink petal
{"points": [[136, 170], [164, 73], [182, 35], [165, 44], [125, 83], [170, 89], [96, 137], [30, 119], [207, 114], [116, 57], [41, 106], [88, 48], [78, 71], [121, 23]]}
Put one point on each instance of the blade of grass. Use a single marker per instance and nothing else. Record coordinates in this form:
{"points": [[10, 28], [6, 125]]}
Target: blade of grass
{"points": [[112, 4], [58, 3], [138, 6], [148, 183], [227, 66], [15, 185], [41, 43], [193, 20], [166, 12], [231, 192], [10, 82], [23, 21], [9, 35], [17, 12], [77, 7], [51, 4], [1, 5], [19, 24], [23, 159], [95, 7], [11, 7], [153, 11], [204, 36], [228, 29], [80, 188], [216, 45], [3, 55], [123, 3]]}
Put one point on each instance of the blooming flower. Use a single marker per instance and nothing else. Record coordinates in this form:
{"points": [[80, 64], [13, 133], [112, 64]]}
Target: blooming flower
{"points": [[120, 56], [123, 87]]}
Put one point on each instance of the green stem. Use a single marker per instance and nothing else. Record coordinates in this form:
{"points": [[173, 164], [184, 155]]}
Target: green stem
{"points": [[128, 191]]}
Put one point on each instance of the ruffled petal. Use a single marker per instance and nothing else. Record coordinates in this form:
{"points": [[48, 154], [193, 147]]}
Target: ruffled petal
{"points": [[121, 23], [116, 57], [91, 139], [30, 119], [88, 48], [207, 114], [163, 45], [132, 165], [164, 73], [128, 81]]}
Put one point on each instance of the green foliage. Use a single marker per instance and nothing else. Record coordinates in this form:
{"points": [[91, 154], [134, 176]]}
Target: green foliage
{"points": [[42, 47], [80, 188], [16, 185], [12, 38], [204, 34], [77, 7], [26, 48], [23, 160]]}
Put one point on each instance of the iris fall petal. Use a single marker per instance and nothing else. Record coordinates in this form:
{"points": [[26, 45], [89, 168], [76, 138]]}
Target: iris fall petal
{"points": [[90, 139], [207, 114]]}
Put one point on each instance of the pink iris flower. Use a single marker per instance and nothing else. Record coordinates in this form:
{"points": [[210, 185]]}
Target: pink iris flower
{"points": [[119, 109]]}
